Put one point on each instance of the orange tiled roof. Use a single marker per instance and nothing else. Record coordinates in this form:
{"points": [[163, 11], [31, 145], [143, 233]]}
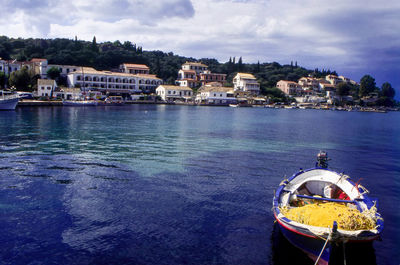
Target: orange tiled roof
{"points": [[37, 60], [132, 65]]}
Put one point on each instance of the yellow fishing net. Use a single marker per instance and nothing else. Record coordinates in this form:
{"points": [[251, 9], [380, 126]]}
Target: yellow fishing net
{"points": [[323, 215]]}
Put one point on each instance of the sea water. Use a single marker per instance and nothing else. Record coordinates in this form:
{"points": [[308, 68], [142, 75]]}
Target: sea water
{"points": [[156, 184]]}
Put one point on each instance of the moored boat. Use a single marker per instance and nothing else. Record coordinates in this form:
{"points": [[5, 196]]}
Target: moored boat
{"points": [[80, 103], [114, 100], [318, 193], [8, 102]]}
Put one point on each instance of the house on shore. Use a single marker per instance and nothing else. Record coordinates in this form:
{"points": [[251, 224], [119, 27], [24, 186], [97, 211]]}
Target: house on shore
{"points": [[113, 83], [309, 83], [195, 74], [41, 67], [10, 66], [289, 87], [246, 83], [215, 94], [68, 93], [46, 87], [174, 93], [333, 79], [135, 69]]}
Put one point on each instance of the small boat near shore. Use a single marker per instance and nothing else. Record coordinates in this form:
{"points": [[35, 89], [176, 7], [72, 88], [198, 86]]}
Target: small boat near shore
{"points": [[114, 101], [80, 103], [8, 101], [318, 208]]}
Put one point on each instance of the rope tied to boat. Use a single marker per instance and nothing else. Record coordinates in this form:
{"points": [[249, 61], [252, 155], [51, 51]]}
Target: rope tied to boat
{"points": [[332, 236]]}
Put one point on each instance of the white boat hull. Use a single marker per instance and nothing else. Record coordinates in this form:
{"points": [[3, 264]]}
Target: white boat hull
{"points": [[8, 104]]}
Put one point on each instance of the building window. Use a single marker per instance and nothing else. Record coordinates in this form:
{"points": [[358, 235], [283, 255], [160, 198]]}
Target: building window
{"points": [[169, 92]]}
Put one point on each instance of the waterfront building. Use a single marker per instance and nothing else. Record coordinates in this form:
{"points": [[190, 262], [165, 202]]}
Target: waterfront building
{"points": [[309, 83], [10, 66], [46, 87], [347, 80], [66, 93], [327, 88], [187, 78], [208, 77], [333, 79], [195, 74], [174, 93], [41, 67], [289, 87], [215, 94], [112, 82], [131, 68], [247, 83], [193, 66]]}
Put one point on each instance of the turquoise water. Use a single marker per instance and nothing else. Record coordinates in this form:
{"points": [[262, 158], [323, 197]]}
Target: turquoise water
{"points": [[155, 184]]}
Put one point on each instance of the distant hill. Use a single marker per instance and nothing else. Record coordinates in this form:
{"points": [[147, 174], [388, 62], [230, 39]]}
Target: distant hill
{"points": [[109, 55]]}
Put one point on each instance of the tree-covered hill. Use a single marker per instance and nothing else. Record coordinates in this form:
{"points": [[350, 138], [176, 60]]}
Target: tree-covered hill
{"points": [[109, 55]]}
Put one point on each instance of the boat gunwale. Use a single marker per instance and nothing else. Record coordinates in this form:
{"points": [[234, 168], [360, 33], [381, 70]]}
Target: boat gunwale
{"points": [[366, 199]]}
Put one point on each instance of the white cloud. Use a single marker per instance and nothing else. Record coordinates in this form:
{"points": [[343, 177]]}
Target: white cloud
{"points": [[339, 35]]}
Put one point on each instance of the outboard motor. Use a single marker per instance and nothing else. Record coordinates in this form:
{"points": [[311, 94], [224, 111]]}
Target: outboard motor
{"points": [[322, 159]]}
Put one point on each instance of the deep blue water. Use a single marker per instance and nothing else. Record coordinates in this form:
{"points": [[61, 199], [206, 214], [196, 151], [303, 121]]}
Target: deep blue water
{"points": [[153, 184]]}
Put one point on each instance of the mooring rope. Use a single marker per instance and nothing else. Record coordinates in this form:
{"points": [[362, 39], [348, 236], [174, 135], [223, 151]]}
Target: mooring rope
{"points": [[332, 236], [326, 242]]}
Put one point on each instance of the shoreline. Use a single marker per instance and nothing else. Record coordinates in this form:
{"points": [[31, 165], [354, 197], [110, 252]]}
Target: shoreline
{"points": [[39, 103]]}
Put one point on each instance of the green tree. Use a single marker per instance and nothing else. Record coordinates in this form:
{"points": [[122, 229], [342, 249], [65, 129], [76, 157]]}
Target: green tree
{"points": [[387, 90], [21, 79], [240, 64], [53, 73], [343, 89], [3, 80], [367, 85], [94, 46]]}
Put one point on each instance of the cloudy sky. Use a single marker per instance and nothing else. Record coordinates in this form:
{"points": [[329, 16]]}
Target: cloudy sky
{"points": [[354, 37]]}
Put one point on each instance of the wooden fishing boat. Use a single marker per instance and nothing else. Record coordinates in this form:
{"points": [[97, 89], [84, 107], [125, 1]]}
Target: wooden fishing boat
{"points": [[320, 185]]}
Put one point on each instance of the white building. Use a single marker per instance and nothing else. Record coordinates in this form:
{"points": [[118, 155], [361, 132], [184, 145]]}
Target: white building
{"points": [[195, 74], [172, 93], [333, 79], [69, 93], [215, 94], [10, 66], [309, 83], [131, 68], [45, 87], [42, 66], [192, 66], [246, 83], [112, 82]]}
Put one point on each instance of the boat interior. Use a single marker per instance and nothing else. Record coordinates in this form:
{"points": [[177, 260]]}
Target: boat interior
{"points": [[316, 190]]}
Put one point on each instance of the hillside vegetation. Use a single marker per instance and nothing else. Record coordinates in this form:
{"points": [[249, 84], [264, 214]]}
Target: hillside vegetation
{"points": [[109, 55]]}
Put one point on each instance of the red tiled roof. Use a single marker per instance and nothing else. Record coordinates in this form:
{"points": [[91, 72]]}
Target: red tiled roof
{"points": [[37, 60], [132, 65]]}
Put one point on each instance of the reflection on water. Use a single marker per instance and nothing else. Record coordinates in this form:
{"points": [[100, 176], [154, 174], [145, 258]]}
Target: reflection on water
{"points": [[175, 184], [284, 253]]}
